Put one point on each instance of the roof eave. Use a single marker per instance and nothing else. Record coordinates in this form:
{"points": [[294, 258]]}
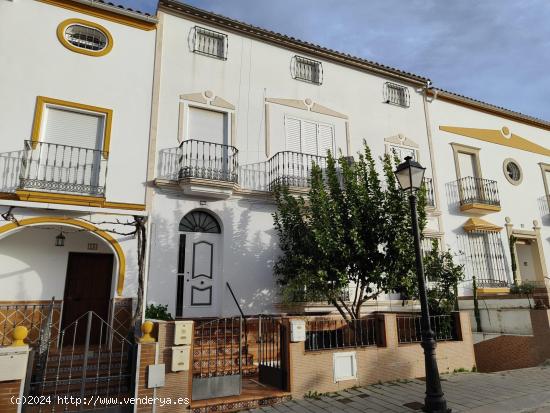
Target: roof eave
{"points": [[229, 24], [488, 108], [119, 10]]}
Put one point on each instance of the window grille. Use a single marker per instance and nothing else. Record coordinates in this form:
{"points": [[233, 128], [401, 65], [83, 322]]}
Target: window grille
{"points": [[396, 94], [85, 37], [209, 43], [484, 258], [402, 152], [307, 70]]}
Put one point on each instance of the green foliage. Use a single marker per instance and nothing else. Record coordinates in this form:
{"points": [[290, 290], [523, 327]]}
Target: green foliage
{"points": [[353, 232], [443, 275], [477, 314], [158, 312], [526, 288], [512, 243]]}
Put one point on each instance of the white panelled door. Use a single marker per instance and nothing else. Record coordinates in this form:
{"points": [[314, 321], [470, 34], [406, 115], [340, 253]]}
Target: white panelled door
{"points": [[202, 274]]}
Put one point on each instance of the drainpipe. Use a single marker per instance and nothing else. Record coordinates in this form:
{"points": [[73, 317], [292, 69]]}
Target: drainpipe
{"points": [[146, 265], [432, 157]]}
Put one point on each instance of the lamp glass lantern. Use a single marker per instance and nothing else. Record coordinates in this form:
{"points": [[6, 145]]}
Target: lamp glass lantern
{"points": [[410, 174], [60, 240]]}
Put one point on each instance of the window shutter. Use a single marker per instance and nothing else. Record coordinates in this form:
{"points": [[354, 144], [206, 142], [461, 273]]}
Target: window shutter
{"points": [[309, 137], [67, 127], [326, 140], [293, 141], [207, 125]]}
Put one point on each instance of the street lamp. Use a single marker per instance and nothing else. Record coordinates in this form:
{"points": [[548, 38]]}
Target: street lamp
{"points": [[410, 175]]}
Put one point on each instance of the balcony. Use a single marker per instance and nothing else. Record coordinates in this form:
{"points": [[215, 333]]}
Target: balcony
{"points": [[201, 168], [292, 169], [477, 195], [61, 169]]}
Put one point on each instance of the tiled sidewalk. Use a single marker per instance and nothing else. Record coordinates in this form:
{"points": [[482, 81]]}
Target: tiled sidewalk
{"points": [[525, 390]]}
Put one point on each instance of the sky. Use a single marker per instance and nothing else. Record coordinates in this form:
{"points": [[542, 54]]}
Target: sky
{"points": [[497, 51]]}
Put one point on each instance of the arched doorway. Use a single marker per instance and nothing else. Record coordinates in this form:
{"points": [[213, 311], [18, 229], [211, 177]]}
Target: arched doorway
{"points": [[199, 265]]}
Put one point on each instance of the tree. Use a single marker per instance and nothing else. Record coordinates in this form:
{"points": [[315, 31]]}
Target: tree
{"points": [[353, 233], [443, 275]]}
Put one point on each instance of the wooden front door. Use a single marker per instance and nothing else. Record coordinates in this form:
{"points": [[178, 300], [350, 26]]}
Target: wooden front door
{"points": [[87, 288]]}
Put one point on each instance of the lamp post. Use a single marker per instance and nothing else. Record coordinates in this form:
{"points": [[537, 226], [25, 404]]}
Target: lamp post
{"points": [[410, 175]]}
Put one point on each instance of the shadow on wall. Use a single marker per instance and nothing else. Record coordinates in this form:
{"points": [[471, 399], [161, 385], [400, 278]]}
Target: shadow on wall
{"points": [[10, 167], [453, 196], [249, 254]]}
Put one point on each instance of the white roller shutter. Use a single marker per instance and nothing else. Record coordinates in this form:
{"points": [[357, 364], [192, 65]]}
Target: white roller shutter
{"points": [[207, 125], [293, 139], [309, 137], [67, 127], [326, 139]]}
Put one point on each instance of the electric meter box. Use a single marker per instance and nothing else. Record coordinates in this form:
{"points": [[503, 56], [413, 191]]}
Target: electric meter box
{"points": [[13, 363], [180, 358], [297, 330], [183, 333]]}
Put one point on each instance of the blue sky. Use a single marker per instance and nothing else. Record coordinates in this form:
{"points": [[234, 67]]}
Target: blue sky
{"points": [[493, 50]]}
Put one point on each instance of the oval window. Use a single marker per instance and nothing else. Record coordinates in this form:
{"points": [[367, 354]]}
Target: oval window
{"points": [[85, 37], [512, 171]]}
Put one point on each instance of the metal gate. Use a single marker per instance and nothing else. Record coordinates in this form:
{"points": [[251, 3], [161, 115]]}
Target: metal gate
{"points": [[220, 353], [272, 351], [71, 374]]}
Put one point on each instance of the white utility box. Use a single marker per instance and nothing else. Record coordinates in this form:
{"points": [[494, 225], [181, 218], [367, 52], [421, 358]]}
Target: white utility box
{"points": [[183, 333], [297, 330], [13, 363], [180, 358], [155, 378]]}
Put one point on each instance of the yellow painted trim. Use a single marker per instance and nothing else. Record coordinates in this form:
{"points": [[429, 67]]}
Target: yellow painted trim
{"points": [[124, 205], [69, 199], [478, 224], [42, 101], [66, 23], [81, 224], [481, 207], [102, 14], [495, 290], [500, 137], [55, 198]]}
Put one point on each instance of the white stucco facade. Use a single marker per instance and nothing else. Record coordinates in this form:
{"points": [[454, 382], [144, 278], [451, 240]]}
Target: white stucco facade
{"points": [[493, 139], [254, 86], [54, 95]]}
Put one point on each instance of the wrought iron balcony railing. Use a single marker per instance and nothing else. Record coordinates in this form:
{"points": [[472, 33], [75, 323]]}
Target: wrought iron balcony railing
{"points": [[200, 159], [430, 198], [478, 191], [292, 169], [62, 168]]}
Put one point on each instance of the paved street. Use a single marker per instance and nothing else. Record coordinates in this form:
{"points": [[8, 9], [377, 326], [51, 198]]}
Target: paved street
{"points": [[525, 391]]}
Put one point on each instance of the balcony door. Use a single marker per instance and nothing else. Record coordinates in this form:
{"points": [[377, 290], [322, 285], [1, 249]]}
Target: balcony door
{"points": [[470, 187], [206, 155], [70, 148], [306, 141]]}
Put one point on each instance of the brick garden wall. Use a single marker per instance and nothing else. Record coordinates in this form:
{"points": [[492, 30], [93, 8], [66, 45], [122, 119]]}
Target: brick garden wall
{"points": [[312, 371], [508, 352], [177, 384], [8, 389]]}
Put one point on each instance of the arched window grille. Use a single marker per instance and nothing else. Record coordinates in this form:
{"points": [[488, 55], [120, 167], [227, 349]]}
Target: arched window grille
{"points": [[200, 221]]}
